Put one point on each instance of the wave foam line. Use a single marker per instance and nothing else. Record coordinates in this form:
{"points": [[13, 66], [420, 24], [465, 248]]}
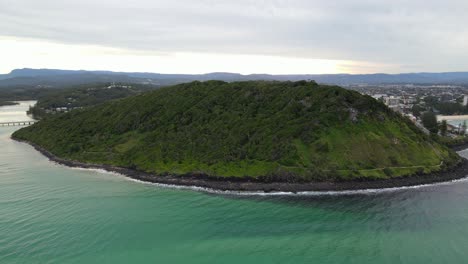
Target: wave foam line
{"points": [[260, 193]]}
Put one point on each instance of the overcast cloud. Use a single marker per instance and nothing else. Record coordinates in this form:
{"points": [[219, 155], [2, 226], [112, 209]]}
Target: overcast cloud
{"points": [[416, 35]]}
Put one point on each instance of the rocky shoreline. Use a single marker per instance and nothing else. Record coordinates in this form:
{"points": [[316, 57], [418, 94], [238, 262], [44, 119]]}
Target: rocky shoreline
{"points": [[460, 147], [223, 184]]}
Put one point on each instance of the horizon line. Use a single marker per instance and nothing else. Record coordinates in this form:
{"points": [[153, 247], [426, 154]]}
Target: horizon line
{"points": [[220, 72]]}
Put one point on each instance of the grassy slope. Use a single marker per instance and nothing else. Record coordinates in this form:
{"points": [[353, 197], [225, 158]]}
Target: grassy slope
{"points": [[282, 130]]}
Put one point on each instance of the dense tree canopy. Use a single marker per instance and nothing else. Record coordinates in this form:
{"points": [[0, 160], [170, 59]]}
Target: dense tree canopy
{"points": [[256, 129], [429, 121], [84, 96]]}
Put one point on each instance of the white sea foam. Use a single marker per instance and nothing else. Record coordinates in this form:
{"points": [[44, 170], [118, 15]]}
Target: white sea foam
{"points": [[261, 193]]}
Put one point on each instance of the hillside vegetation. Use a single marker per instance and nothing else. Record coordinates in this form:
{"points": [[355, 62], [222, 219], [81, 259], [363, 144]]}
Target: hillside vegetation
{"points": [[291, 131], [83, 96]]}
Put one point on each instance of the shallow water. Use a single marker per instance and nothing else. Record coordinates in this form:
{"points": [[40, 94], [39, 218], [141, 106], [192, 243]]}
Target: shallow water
{"points": [[53, 214]]}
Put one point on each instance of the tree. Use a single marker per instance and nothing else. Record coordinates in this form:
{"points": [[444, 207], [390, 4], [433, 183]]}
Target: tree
{"points": [[443, 128], [463, 128], [429, 121], [417, 110]]}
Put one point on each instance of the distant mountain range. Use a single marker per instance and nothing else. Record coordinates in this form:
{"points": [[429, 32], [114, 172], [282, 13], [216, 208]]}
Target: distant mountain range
{"points": [[56, 78]]}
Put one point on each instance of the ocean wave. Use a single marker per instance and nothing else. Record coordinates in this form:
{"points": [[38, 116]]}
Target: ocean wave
{"points": [[261, 193]]}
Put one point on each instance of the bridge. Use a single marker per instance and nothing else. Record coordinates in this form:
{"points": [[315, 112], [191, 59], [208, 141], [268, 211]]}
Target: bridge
{"points": [[17, 123]]}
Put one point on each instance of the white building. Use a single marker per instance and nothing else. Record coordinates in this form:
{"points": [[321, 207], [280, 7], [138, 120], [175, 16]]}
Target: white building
{"points": [[392, 101]]}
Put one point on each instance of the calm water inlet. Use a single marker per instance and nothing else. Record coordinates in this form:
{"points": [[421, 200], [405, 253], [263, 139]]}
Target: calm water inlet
{"points": [[54, 214]]}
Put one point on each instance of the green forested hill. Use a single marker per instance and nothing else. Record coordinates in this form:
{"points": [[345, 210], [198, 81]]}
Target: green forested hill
{"points": [[279, 130]]}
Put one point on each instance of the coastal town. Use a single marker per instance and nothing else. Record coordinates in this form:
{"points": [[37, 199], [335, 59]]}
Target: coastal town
{"points": [[447, 102]]}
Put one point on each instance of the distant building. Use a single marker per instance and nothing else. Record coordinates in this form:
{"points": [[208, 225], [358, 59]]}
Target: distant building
{"points": [[396, 108], [378, 96], [392, 101], [411, 117], [451, 128], [465, 100], [446, 97], [409, 100], [113, 85]]}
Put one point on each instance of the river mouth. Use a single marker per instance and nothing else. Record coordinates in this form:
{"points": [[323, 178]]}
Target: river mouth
{"points": [[12, 113]]}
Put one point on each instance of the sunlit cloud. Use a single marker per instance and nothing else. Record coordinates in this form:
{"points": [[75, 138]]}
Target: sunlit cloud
{"points": [[295, 36], [21, 52]]}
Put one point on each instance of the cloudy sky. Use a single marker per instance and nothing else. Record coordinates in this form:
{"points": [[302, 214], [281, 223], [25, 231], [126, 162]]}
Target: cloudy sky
{"points": [[246, 36]]}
